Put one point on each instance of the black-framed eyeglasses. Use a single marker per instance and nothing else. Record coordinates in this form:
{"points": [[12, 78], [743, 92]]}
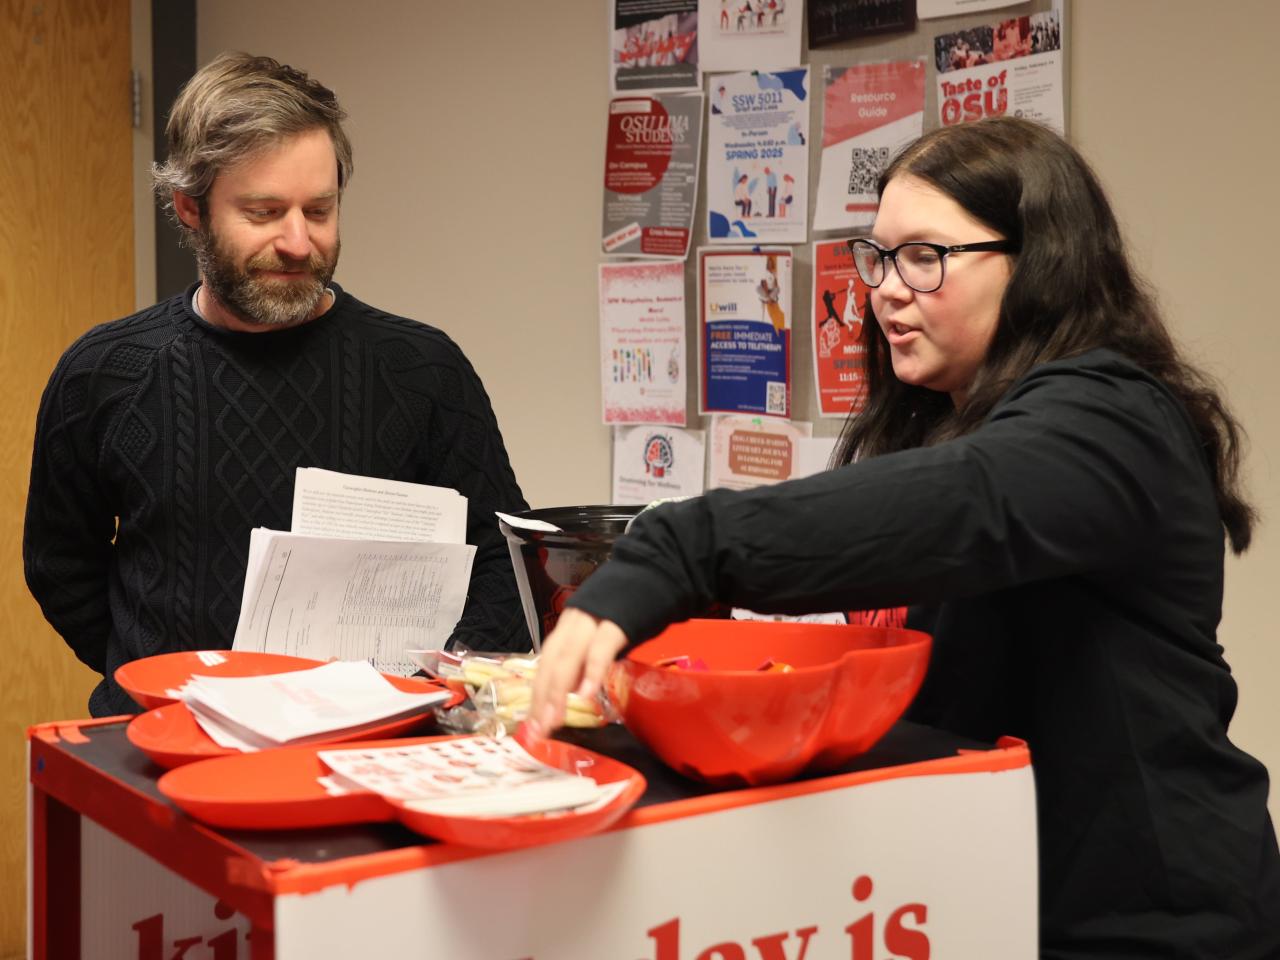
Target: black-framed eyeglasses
{"points": [[922, 266]]}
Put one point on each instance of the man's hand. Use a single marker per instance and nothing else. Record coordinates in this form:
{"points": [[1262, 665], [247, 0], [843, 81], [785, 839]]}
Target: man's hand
{"points": [[575, 657]]}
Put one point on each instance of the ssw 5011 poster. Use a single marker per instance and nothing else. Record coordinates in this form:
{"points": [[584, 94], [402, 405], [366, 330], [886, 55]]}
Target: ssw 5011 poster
{"points": [[758, 157]]}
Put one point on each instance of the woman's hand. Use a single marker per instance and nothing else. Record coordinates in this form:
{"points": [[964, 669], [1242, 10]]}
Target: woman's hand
{"points": [[575, 657]]}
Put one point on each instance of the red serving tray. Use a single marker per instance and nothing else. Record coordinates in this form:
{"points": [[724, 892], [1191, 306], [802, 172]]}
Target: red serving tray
{"points": [[171, 737], [279, 790], [506, 833], [269, 790], [148, 679]]}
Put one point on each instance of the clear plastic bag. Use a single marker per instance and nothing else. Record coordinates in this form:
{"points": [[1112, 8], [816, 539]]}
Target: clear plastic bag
{"points": [[499, 690]]}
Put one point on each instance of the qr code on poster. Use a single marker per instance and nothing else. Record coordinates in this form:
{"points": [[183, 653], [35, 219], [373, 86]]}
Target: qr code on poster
{"points": [[775, 398], [867, 163]]}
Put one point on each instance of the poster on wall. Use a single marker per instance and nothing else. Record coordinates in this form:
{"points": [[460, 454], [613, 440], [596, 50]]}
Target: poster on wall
{"points": [[758, 157], [932, 9], [839, 355], [1012, 67], [746, 452], [652, 153], [744, 331], [831, 21], [642, 345], [656, 463], [870, 112], [654, 45], [749, 34]]}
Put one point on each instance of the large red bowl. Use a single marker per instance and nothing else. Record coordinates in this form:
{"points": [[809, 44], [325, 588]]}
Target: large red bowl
{"points": [[735, 725]]}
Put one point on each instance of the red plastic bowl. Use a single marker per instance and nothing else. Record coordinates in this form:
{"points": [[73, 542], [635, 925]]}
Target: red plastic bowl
{"points": [[734, 725]]}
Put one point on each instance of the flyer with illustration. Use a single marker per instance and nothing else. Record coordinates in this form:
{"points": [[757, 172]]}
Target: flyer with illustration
{"points": [[839, 355], [749, 34], [1011, 67], [870, 112], [652, 154], [748, 452], [642, 324], [758, 157], [654, 45], [656, 463], [744, 331]]}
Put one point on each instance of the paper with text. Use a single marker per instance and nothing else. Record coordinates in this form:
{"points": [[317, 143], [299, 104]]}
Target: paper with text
{"points": [[325, 598], [250, 713], [331, 504], [465, 776]]}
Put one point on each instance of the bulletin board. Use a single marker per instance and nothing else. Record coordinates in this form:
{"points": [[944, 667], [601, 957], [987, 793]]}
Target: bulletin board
{"points": [[893, 44]]}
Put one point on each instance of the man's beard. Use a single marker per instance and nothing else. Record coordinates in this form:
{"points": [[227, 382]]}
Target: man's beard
{"points": [[258, 299]]}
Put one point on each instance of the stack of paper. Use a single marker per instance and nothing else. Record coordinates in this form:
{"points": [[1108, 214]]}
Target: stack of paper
{"points": [[329, 504], [253, 713], [467, 777], [370, 568]]}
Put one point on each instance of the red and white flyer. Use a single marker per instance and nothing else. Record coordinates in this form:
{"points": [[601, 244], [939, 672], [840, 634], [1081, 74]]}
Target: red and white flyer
{"points": [[1011, 67], [870, 112], [751, 452], [654, 45], [651, 174], [839, 354], [642, 343]]}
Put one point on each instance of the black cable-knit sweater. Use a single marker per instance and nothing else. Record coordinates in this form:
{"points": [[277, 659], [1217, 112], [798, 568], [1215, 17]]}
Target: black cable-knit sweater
{"points": [[162, 441]]}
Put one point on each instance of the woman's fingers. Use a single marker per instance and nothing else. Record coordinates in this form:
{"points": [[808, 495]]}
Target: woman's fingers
{"points": [[575, 655], [607, 642], [560, 668]]}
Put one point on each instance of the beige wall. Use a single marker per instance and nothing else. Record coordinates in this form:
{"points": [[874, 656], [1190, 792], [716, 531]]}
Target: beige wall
{"points": [[479, 136], [1172, 104]]}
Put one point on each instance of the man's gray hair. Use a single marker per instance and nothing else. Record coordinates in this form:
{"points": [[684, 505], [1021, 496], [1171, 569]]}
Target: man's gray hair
{"points": [[236, 106]]}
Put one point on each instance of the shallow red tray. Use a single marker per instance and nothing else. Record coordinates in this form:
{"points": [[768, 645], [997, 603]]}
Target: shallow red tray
{"points": [[269, 790], [148, 679], [505, 833], [171, 737], [279, 790]]}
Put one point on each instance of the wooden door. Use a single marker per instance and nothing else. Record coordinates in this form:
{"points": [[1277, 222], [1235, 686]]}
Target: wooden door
{"points": [[66, 263]]}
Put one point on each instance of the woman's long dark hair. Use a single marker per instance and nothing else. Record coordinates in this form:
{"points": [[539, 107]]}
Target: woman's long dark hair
{"points": [[1072, 289]]}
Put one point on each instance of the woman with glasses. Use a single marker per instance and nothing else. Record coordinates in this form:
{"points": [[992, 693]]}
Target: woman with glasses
{"points": [[1049, 484]]}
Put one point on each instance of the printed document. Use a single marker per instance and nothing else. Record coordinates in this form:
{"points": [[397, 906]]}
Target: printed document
{"points": [[371, 568]]}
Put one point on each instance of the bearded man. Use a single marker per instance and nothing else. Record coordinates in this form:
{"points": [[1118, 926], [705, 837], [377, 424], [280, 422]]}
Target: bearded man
{"points": [[164, 438]]}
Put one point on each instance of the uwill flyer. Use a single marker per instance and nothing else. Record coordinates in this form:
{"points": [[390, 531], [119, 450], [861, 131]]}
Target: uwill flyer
{"points": [[744, 326]]}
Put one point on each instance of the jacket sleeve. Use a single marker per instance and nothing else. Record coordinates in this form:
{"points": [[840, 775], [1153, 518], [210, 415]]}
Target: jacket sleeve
{"points": [[1075, 471], [70, 526], [472, 459]]}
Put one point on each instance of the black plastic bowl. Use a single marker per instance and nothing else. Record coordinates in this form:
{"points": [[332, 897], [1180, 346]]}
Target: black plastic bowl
{"points": [[549, 566]]}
